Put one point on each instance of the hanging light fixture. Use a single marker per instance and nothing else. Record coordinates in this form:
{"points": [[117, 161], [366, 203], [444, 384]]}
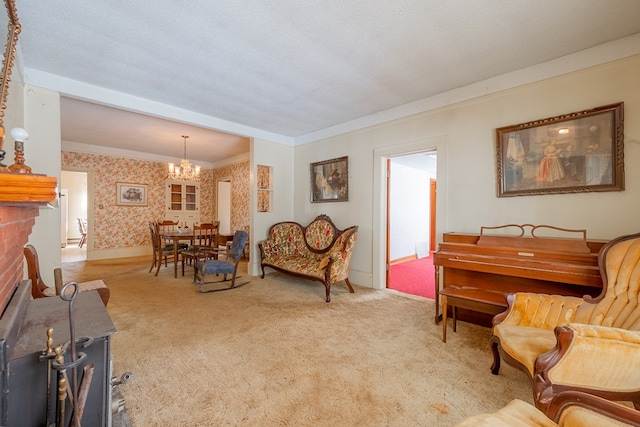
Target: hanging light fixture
{"points": [[184, 172]]}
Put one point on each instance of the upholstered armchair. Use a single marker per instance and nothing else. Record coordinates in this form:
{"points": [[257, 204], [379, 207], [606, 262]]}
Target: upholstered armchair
{"points": [[594, 359], [567, 409], [526, 329]]}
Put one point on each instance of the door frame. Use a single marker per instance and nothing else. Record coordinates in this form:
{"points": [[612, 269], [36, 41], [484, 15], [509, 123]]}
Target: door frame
{"points": [[380, 155]]}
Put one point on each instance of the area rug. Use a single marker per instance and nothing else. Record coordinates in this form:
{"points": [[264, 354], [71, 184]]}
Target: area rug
{"points": [[274, 353]]}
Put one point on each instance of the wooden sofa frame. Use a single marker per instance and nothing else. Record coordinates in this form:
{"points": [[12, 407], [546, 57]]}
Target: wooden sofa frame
{"points": [[321, 256]]}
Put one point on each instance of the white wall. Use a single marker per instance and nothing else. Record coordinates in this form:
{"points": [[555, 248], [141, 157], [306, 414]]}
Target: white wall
{"points": [[408, 210], [280, 158], [42, 153], [464, 137]]}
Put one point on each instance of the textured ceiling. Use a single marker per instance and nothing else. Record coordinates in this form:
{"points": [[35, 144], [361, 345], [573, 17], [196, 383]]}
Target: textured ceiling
{"points": [[293, 67]]}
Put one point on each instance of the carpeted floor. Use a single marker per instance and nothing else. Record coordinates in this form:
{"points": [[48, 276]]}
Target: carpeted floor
{"points": [[273, 353], [415, 277]]}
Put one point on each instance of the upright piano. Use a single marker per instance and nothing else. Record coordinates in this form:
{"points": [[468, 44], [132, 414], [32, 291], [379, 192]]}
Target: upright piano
{"points": [[484, 268]]}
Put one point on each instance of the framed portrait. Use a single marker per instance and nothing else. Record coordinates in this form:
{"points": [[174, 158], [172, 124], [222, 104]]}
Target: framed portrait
{"points": [[131, 194], [572, 153], [330, 180]]}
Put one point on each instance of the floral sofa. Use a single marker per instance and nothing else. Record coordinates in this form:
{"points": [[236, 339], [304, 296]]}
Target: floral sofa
{"points": [[319, 251]]}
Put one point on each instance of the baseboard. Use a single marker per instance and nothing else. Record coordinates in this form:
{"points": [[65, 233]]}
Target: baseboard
{"points": [[97, 254], [403, 259]]}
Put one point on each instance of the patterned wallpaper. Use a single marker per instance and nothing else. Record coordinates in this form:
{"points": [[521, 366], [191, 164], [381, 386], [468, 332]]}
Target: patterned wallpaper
{"points": [[127, 226], [240, 191]]}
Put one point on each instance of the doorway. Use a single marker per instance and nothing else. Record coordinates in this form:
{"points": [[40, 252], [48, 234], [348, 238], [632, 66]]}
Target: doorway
{"points": [[224, 206], [411, 220], [74, 197]]}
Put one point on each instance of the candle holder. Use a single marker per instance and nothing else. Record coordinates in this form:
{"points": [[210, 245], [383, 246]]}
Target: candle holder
{"points": [[19, 135], [3, 167]]}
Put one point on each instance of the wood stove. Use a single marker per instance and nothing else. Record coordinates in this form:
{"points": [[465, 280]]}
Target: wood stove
{"points": [[25, 400]]}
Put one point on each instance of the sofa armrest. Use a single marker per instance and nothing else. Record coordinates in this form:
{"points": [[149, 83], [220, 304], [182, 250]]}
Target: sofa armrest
{"points": [[270, 249], [538, 310], [574, 408], [598, 359], [340, 254]]}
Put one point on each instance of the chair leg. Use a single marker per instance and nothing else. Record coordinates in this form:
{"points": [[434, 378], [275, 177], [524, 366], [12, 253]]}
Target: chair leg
{"points": [[153, 261], [495, 367]]}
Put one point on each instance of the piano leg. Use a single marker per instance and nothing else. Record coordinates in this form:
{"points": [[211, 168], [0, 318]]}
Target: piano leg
{"points": [[436, 283], [444, 317]]}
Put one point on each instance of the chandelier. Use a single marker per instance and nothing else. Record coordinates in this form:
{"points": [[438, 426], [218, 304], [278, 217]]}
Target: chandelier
{"points": [[184, 172]]}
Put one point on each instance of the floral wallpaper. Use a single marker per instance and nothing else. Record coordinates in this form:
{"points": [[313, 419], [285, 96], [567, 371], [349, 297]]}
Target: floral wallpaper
{"points": [[127, 226], [238, 174]]}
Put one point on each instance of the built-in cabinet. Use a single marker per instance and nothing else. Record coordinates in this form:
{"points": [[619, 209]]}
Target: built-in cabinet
{"points": [[183, 201]]}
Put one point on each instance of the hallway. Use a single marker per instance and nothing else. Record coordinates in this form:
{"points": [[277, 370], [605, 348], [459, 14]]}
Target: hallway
{"points": [[72, 253]]}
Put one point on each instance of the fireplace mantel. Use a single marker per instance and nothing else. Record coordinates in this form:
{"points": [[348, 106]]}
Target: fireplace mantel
{"points": [[25, 189], [20, 197]]}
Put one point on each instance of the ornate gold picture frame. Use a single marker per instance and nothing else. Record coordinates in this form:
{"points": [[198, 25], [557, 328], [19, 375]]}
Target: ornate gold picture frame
{"points": [[330, 180], [572, 153]]}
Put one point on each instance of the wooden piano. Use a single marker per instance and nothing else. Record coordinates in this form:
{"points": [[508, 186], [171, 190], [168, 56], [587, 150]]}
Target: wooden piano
{"points": [[479, 270]]}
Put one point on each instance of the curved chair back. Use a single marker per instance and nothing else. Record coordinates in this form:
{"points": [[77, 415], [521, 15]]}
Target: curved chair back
{"points": [[618, 304], [237, 245]]}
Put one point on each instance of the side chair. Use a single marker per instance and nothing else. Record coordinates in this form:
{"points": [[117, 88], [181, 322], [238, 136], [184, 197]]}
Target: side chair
{"points": [[39, 289], [161, 251], [202, 245], [82, 228], [225, 267]]}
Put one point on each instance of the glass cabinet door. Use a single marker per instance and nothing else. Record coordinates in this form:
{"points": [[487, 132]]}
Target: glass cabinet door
{"points": [[190, 199], [175, 197]]}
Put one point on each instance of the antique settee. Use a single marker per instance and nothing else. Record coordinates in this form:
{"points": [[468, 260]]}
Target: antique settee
{"points": [[319, 251]]}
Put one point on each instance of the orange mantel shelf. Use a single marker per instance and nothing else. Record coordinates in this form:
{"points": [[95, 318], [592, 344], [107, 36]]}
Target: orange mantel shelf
{"points": [[17, 188]]}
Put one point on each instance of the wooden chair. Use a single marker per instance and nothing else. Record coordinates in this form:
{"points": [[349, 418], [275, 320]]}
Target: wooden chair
{"points": [[40, 290], [202, 246], [161, 250], [167, 226], [224, 267], [82, 227]]}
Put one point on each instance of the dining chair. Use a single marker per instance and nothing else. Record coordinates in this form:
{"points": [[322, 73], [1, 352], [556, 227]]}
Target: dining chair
{"points": [[82, 228], [162, 250], [202, 244], [166, 226]]}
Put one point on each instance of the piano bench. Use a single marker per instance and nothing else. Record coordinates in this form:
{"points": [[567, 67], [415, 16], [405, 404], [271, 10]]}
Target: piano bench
{"points": [[475, 299]]}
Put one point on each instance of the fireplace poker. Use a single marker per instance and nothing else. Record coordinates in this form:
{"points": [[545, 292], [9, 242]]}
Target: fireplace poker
{"points": [[48, 355], [62, 396], [70, 297], [83, 390]]}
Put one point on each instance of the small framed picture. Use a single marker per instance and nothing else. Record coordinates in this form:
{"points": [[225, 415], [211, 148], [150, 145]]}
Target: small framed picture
{"points": [[131, 194], [330, 180], [572, 153]]}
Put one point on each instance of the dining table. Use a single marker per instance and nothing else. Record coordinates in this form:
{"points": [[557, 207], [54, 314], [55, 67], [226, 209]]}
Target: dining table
{"points": [[176, 237]]}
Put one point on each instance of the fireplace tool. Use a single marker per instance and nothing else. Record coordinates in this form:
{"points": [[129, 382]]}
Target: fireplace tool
{"points": [[69, 389]]}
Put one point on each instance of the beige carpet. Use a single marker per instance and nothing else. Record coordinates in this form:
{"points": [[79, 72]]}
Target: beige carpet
{"points": [[273, 353]]}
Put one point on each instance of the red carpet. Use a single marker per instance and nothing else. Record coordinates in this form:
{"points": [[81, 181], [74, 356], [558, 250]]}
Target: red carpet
{"points": [[413, 277]]}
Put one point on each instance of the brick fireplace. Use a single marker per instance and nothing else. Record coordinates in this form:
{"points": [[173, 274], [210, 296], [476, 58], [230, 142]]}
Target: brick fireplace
{"points": [[16, 223]]}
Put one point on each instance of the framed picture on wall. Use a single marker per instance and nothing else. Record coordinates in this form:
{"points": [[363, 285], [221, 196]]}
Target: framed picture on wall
{"points": [[330, 180], [131, 194], [572, 153]]}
